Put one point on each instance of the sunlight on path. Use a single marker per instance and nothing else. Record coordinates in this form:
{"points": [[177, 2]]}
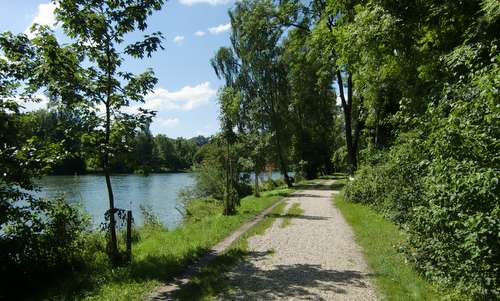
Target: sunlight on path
{"points": [[313, 258]]}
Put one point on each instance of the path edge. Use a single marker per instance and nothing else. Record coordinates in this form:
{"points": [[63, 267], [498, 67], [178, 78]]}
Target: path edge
{"points": [[164, 291]]}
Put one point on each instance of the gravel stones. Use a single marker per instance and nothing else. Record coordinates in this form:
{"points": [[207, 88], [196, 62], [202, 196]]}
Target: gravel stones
{"points": [[313, 258]]}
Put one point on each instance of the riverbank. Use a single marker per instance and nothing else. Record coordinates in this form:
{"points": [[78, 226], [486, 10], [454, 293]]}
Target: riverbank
{"points": [[158, 254]]}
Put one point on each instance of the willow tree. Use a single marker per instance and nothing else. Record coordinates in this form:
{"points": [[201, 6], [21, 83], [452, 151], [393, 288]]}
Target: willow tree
{"points": [[97, 30], [253, 65]]}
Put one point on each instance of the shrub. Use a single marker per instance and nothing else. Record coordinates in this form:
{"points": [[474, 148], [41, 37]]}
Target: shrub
{"points": [[271, 184], [210, 182], [455, 236], [443, 186], [393, 182], [199, 209], [46, 237]]}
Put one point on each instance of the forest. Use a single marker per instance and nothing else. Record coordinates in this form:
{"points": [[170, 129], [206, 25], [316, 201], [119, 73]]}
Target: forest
{"points": [[402, 96]]}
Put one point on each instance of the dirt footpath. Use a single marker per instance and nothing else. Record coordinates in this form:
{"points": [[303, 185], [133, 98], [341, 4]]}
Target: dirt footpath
{"points": [[313, 258]]}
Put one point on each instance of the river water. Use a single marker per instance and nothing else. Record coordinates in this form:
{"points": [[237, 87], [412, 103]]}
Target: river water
{"points": [[158, 191]]}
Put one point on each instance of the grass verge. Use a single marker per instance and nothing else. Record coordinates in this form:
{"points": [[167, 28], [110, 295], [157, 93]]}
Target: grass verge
{"points": [[379, 238], [294, 211], [158, 255]]}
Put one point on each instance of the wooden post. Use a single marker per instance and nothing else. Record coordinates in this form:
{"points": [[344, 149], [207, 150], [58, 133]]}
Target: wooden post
{"points": [[129, 235]]}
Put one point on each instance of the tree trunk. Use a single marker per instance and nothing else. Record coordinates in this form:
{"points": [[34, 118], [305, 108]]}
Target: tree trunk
{"points": [[347, 108], [113, 245], [256, 188], [283, 164], [228, 200], [281, 157]]}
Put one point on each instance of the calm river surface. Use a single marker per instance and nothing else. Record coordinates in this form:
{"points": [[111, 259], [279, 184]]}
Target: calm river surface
{"points": [[159, 191]]}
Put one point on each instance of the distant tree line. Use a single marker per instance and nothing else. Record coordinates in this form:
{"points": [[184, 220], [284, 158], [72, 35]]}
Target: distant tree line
{"points": [[141, 151]]}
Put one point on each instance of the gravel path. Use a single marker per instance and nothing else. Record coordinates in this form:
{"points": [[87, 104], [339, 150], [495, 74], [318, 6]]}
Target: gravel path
{"points": [[313, 258]]}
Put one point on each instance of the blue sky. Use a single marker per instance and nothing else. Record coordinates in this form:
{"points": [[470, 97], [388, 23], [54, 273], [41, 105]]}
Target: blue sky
{"points": [[185, 96]]}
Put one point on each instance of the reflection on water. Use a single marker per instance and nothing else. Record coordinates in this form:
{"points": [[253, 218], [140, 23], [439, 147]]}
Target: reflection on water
{"points": [[159, 191]]}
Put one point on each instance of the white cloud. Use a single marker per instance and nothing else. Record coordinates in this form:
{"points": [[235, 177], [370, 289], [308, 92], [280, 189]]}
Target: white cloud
{"points": [[178, 40], [199, 33], [220, 28], [187, 98], [167, 122], [44, 16], [211, 2]]}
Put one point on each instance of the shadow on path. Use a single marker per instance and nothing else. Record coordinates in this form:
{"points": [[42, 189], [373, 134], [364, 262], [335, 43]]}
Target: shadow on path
{"points": [[337, 185], [294, 281], [298, 216]]}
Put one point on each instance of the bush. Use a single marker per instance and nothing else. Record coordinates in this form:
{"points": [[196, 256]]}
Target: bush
{"points": [[392, 183], [47, 237], [443, 187], [210, 182], [200, 209], [271, 184], [455, 236]]}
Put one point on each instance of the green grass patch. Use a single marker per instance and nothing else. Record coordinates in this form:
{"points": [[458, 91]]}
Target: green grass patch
{"points": [[159, 254], [379, 239], [294, 211]]}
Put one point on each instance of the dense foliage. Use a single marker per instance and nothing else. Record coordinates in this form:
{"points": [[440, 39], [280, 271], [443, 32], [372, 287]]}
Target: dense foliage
{"points": [[439, 175], [403, 95], [37, 237], [415, 108]]}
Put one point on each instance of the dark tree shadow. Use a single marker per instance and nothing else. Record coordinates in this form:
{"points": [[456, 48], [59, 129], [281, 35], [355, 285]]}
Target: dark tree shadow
{"points": [[305, 195], [338, 185], [298, 216]]}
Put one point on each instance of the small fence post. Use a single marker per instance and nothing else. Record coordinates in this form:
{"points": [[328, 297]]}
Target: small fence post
{"points": [[129, 235]]}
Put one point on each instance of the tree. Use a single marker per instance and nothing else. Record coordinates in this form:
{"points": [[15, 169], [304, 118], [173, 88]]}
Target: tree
{"points": [[428, 72], [331, 19], [253, 65], [60, 126], [229, 103], [143, 152], [37, 236], [97, 29], [313, 108]]}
